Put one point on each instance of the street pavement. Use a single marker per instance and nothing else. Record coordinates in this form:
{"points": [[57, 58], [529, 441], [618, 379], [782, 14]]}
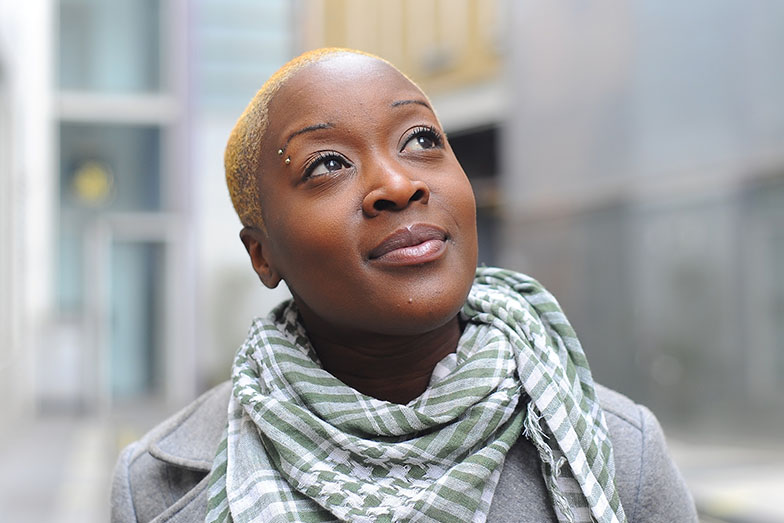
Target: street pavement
{"points": [[55, 470], [735, 483]]}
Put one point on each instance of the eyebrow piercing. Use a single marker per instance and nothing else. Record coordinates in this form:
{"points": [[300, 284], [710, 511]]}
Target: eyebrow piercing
{"points": [[288, 160], [280, 152]]}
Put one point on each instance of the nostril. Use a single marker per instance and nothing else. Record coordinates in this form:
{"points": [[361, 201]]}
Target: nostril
{"points": [[383, 205], [418, 195]]}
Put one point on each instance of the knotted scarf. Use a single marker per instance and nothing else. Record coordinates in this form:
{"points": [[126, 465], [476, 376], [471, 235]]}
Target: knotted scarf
{"points": [[302, 446]]}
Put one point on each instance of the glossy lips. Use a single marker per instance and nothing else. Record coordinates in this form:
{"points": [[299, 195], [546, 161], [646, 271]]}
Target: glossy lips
{"points": [[411, 245]]}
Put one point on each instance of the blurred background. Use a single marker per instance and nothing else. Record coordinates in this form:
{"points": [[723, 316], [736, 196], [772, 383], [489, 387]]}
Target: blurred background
{"points": [[628, 154]]}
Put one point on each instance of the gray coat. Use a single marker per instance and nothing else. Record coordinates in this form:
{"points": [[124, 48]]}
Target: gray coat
{"points": [[164, 475]]}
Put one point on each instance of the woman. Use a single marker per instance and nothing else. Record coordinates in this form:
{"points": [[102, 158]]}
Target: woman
{"points": [[400, 383]]}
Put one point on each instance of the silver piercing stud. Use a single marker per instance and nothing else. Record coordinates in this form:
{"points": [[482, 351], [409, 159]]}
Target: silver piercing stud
{"points": [[288, 160], [280, 152]]}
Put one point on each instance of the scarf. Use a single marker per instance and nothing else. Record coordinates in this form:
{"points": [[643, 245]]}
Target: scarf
{"points": [[302, 446]]}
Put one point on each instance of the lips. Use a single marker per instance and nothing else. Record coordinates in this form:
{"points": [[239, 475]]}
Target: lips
{"points": [[411, 245]]}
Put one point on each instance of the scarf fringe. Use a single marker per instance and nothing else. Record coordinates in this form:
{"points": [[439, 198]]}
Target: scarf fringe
{"points": [[551, 467]]}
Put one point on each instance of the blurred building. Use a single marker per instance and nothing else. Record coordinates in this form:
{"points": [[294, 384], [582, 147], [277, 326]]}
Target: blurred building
{"points": [[236, 45], [629, 156], [113, 119], [123, 318], [643, 183], [135, 283], [25, 161]]}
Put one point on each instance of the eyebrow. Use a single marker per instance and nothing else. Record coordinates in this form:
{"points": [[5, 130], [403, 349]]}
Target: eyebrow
{"points": [[398, 103], [327, 125], [307, 129]]}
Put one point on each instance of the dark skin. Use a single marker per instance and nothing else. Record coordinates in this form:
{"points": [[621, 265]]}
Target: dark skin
{"points": [[372, 225]]}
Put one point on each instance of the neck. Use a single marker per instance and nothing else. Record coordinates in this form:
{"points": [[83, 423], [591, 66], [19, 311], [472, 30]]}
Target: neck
{"points": [[387, 367]]}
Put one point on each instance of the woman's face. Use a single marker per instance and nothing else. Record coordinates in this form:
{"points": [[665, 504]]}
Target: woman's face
{"points": [[372, 224]]}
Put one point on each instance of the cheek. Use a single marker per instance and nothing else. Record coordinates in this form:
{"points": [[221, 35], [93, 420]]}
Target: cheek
{"points": [[469, 201], [312, 239], [460, 199], [463, 206]]}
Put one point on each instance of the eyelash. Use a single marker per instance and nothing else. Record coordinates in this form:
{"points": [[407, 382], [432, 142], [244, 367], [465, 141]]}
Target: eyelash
{"points": [[319, 158], [322, 156], [425, 130]]}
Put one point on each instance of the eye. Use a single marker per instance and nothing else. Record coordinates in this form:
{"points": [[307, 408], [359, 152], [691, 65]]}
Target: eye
{"points": [[422, 138], [324, 163]]}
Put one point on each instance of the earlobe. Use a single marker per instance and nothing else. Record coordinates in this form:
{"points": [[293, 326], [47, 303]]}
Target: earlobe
{"points": [[254, 240]]}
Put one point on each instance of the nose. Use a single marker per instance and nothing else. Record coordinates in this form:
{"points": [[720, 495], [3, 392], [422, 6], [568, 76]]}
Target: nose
{"points": [[393, 189]]}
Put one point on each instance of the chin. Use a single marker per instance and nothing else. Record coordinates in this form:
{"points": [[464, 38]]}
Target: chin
{"points": [[424, 310]]}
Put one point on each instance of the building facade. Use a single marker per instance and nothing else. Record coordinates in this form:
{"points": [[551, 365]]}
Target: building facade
{"points": [[643, 179], [628, 156]]}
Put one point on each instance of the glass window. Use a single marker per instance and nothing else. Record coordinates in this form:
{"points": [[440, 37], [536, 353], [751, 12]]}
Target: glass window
{"points": [[102, 168], [136, 306], [110, 167], [110, 45], [240, 44]]}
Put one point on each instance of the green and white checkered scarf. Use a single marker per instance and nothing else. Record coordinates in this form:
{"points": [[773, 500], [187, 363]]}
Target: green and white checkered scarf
{"points": [[302, 446]]}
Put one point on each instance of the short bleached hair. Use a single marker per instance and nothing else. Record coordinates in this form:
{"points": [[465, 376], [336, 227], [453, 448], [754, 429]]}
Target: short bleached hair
{"points": [[242, 159]]}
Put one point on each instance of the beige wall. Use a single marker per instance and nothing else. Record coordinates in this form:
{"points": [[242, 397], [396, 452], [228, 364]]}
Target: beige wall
{"points": [[442, 44]]}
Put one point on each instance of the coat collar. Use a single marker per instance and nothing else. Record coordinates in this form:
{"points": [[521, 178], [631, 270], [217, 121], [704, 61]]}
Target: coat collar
{"points": [[191, 438]]}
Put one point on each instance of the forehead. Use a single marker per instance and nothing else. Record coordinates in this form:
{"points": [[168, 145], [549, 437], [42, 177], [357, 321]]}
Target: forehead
{"points": [[337, 88]]}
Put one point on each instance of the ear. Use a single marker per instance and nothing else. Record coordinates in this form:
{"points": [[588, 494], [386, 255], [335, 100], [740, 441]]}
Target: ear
{"points": [[254, 240]]}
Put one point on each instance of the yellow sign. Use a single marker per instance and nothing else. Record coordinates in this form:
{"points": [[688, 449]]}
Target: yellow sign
{"points": [[93, 183]]}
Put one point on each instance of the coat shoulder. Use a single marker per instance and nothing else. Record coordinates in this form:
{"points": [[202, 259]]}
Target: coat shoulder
{"points": [[649, 483], [166, 470]]}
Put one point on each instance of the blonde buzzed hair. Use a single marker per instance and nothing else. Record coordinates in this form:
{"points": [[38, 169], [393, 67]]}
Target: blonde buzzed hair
{"points": [[242, 159]]}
